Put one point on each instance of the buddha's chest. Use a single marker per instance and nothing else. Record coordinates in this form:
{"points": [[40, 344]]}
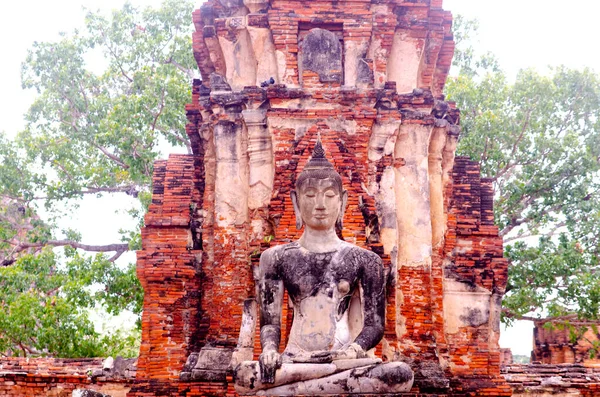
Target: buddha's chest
{"points": [[311, 274]]}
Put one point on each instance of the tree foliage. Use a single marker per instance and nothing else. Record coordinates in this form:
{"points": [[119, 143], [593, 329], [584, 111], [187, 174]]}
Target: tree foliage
{"points": [[45, 305], [110, 99], [538, 138], [100, 132]]}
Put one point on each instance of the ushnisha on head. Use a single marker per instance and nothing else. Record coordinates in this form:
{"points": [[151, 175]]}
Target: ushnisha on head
{"points": [[319, 198]]}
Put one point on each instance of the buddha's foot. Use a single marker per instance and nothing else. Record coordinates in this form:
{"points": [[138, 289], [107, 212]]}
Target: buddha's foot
{"points": [[350, 376]]}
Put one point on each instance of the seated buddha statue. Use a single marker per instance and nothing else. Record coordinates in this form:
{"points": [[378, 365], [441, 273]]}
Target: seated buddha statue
{"points": [[338, 294]]}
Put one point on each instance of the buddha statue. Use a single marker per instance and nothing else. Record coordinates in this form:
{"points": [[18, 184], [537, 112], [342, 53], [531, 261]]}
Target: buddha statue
{"points": [[338, 294]]}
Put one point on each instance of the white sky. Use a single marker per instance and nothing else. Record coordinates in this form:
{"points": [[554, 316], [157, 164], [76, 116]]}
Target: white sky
{"points": [[522, 33]]}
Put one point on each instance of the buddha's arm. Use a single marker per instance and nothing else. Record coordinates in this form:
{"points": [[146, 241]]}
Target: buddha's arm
{"points": [[373, 284], [270, 299]]}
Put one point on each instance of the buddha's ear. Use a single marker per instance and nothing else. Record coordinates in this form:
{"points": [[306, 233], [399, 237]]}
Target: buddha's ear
{"points": [[294, 197], [339, 222]]}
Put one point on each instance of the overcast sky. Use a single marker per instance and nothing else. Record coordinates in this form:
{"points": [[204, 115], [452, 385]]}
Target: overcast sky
{"points": [[522, 34]]}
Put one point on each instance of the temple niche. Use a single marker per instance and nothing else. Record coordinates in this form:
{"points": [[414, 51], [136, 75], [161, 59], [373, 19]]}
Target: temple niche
{"points": [[365, 79]]}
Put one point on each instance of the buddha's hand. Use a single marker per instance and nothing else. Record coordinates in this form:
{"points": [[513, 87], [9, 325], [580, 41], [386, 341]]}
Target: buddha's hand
{"points": [[313, 357], [268, 362], [351, 352]]}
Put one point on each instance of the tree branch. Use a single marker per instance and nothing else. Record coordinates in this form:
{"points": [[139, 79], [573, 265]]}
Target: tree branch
{"points": [[514, 148], [86, 247], [116, 256], [185, 70], [510, 314], [155, 125], [110, 155], [177, 137], [7, 262], [132, 190], [110, 49], [162, 106], [552, 232]]}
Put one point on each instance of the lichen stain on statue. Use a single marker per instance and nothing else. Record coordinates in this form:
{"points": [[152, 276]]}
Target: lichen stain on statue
{"points": [[338, 295]]}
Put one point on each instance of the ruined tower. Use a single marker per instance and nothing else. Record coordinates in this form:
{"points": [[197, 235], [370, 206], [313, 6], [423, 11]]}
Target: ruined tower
{"points": [[367, 76]]}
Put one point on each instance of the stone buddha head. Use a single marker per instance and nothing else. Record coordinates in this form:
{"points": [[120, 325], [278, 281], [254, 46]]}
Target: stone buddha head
{"points": [[319, 198]]}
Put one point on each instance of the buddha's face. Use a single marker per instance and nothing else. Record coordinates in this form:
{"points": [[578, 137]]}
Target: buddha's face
{"points": [[319, 202]]}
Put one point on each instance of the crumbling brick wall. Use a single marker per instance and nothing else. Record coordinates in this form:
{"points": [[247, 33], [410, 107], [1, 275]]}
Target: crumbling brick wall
{"points": [[527, 380], [475, 276], [556, 343], [168, 269], [32, 377]]}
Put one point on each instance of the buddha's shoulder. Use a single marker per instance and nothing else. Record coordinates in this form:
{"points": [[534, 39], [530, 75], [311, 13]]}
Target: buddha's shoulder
{"points": [[276, 252], [359, 253]]}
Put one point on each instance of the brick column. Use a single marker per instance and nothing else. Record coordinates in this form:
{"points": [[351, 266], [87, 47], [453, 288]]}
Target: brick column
{"points": [[167, 268]]}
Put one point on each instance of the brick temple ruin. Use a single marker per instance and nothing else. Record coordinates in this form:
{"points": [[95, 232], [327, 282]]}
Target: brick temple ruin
{"points": [[558, 343], [367, 77]]}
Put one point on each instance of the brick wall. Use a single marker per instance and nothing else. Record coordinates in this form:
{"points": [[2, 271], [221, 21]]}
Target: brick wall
{"points": [[560, 343], [168, 269], [475, 258], [556, 380], [31, 377]]}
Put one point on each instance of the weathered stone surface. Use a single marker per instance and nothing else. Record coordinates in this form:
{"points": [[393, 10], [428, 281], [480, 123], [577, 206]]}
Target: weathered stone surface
{"points": [[230, 3], [257, 5], [238, 54], [88, 393], [381, 378], [321, 53], [357, 68], [219, 83], [405, 60], [208, 375], [264, 54]]}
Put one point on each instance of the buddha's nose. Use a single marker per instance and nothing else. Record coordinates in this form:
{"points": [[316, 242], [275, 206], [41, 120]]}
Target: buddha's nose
{"points": [[320, 204]]}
